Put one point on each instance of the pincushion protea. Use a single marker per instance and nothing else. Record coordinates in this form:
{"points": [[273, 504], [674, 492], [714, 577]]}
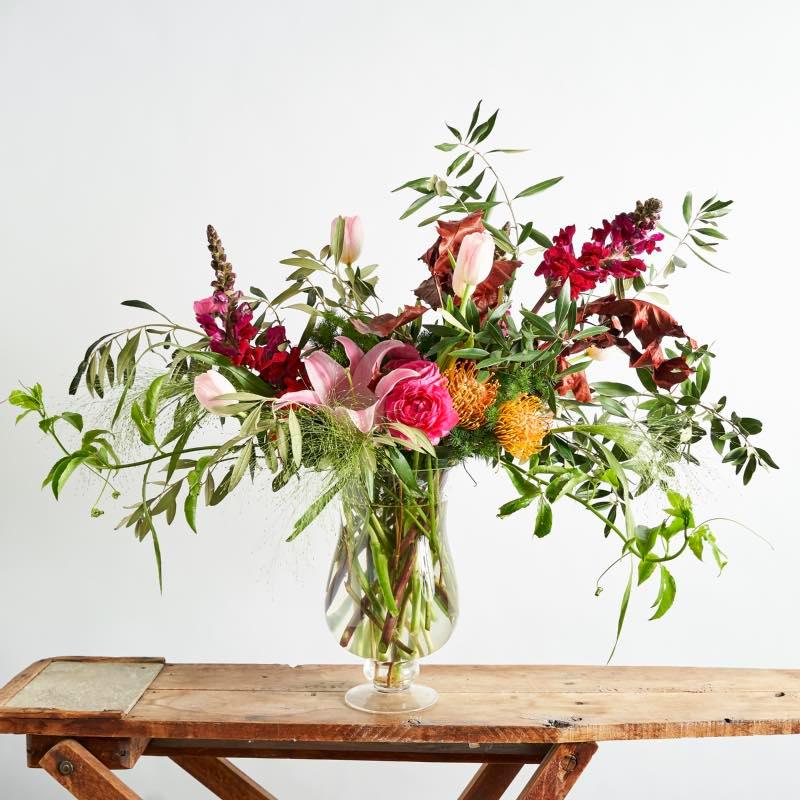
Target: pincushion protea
{"points": [[471, 397], [522, 424]]}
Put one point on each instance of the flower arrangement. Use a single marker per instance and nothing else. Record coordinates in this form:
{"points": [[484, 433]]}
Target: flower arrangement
{"points": [[380, 403]]}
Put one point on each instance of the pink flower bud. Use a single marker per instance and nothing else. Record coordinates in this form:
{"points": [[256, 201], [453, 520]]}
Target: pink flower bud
{"points": [[474, 262], [353, 238], [209, 387]]}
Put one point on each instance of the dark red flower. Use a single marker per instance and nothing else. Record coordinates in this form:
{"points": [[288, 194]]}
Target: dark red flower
{"points": [[285, 371], [611, 252]]}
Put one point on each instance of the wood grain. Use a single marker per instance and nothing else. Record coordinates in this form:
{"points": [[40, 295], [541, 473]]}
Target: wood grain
{"points": [[479, 706], [559, 771], [353, 751], [483, 679], [81, 774], [111, 753], [222, 778], [490, 782]]}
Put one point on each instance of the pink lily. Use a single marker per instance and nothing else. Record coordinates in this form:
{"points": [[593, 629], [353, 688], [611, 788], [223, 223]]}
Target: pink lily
{"points": [[350, 389]]}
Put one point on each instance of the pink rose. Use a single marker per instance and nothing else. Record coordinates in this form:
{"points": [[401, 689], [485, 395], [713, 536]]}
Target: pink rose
{"points": [[423, 402]]}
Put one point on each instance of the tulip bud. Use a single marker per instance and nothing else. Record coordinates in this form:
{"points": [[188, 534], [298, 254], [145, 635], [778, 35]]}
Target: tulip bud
{"points": [[474, 262], [209, 387], [352, 239]]}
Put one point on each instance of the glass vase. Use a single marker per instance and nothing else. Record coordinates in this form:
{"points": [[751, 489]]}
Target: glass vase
{"points": [[391, 596]]}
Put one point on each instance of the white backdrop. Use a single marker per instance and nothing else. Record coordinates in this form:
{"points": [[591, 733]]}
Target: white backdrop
{"points": [[128, 126]]}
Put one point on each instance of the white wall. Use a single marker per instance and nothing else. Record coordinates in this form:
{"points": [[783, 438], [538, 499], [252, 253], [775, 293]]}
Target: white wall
{"points": [[127, 127]]}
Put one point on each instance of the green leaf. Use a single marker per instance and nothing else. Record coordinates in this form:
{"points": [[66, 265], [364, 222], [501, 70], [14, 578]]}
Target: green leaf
{"points": [[337, 239], [296, 438], [514, 505], [241, 465], [417, 204], [446, 146], [403, 470], [687, 207], [623, 610], [666, 594], [470, 352], [74, 419], [150, 406], [474, 119], [190, 506], [612, 389], [542, 239], [544, 519], [646, 569], [138, 304], [539, 187], [454, 131], [484, 129], [713, 232]]}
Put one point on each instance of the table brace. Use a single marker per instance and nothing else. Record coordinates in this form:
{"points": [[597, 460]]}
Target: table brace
{"points": [[87, 777]]}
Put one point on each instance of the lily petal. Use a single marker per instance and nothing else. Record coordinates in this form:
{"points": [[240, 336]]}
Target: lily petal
{"points": [[353, 352], [369, 366], [323, 374], [363, 418], [388, 382], [304, 397]]}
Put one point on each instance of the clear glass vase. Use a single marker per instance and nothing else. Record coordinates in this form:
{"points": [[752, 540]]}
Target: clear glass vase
{"points": [[391, 596]]}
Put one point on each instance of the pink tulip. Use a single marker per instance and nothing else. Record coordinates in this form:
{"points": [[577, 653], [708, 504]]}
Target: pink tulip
{"points": [[353, 238], [474, 262], [209, 388]]}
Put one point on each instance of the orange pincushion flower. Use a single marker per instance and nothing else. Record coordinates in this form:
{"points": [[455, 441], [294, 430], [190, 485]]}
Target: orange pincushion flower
{"points": [[522, 424], [471, 397]]}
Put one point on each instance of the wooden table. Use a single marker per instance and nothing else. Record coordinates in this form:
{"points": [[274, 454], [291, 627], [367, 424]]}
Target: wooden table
{"points": [[84, 717]]}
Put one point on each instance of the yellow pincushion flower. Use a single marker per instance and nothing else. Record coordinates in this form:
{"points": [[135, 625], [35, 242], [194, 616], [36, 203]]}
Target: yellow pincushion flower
{"points": [[522, 424], [470, 396]]}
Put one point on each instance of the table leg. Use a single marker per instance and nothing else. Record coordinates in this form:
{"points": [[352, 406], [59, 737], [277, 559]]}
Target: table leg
{"points": [[559, 770], [491, 781], [81, 774], [222, 778]]}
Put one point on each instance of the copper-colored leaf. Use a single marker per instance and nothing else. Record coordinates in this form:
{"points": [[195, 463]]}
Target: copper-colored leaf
{"points": [[486, 293], [451, 234], [385, 324]]}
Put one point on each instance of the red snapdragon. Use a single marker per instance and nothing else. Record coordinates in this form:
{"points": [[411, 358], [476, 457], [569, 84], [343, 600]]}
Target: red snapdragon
{"points": [[612, 251]]}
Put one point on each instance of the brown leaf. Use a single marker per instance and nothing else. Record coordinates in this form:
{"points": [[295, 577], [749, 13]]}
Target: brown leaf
{"points": [[430, 292], [451, 234], [486, 293], [650, 324], [576, 383], [385, 324]]}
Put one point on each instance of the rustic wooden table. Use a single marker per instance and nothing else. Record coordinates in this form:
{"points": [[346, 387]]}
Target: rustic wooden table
{"points": [[84, 717]]}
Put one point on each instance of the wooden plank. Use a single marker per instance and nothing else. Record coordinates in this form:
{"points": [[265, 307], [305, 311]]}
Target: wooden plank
{"points": [[84, 687], [459, 718], [558, 773], [478, 706], [111, 753], [436, 752], [81, 774], [500, 679], [222, 778], [490, 782]]}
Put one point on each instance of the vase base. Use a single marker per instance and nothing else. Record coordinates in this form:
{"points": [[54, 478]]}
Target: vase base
{"points": [[365, 697]]}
